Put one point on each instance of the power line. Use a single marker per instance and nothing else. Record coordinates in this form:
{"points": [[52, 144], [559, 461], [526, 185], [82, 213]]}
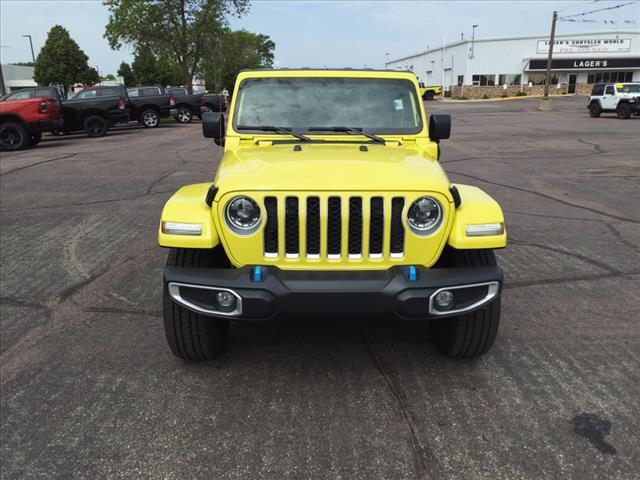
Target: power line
{"points": [[613, 7], [579, 5]]}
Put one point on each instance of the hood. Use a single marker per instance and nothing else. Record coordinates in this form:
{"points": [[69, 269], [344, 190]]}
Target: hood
{"points": [[330, 167]]}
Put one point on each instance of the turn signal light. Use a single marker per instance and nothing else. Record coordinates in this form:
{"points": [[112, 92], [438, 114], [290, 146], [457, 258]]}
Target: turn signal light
{"points": [[174, 228], [485, 229]]}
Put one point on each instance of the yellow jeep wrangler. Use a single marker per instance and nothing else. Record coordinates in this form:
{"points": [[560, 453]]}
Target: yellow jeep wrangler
{"points": [[428, 92], [329, 200]]}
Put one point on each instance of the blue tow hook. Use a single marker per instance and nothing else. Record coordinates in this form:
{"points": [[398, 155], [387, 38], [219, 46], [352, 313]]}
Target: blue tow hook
{"points": [[413, 274], [257, 273]]}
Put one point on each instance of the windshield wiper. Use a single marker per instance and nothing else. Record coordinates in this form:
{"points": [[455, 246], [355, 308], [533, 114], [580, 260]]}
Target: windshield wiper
{"points": [[278, 130], [349, 130]]}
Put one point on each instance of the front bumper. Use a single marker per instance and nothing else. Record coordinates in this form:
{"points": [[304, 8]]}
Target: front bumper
{"points": [[264, 293]]}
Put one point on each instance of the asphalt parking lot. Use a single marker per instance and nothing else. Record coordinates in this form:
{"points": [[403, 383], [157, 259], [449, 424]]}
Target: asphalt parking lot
{"points": [[90, 390]]}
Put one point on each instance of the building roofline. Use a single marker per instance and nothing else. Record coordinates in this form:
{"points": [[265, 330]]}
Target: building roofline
{"points": [[518, 37]]}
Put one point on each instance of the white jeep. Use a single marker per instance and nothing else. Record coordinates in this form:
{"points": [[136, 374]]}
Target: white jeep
{"points": [[622, 98]]}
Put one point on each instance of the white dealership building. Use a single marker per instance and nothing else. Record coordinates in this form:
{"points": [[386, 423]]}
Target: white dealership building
{"points": [[579, 60]]}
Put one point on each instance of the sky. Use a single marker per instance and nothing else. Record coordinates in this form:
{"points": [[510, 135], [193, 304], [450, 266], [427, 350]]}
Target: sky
{"points": [[322, 33]]}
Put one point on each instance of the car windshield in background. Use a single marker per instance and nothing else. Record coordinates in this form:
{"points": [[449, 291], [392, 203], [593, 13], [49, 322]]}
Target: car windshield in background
{"points": [[633, 88], [375, 105]]}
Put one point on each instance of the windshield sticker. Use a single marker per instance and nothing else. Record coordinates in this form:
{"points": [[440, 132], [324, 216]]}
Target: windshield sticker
{"points": [[397, 103]]}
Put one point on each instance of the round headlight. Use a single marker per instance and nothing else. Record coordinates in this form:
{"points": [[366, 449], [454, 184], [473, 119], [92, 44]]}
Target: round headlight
{"points": [[243, 215], [424, 216]]}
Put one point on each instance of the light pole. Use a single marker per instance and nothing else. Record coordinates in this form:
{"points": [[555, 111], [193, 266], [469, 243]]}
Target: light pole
{"points": [[387, 55], [33, 57], [473, 38]]}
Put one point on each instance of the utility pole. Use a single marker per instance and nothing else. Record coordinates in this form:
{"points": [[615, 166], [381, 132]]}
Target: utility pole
{"points": [[545, 103], [33, 57]]}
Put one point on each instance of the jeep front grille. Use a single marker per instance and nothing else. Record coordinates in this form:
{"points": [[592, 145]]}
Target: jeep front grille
{"points": [[334, 227]]}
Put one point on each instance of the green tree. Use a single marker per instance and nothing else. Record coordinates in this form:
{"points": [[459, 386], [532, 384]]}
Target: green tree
{"points": [[145, 66], [168, 71], [179, 29], [90, 77], [233, 52], [127, 74], [61, 61]]}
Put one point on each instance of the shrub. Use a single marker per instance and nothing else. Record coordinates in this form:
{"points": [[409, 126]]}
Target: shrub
{"points": [[504, 95], [521, 94], [485, 97]]}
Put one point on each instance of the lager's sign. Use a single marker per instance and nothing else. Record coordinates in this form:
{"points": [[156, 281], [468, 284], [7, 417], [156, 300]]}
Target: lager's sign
{"points": [[585, 63], [583, 45]]}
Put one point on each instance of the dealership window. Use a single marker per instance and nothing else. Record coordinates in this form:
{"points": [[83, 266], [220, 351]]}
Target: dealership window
{"points": [[540, 78], [509, 79], [484, 80], [460, 80], [604, 77]]}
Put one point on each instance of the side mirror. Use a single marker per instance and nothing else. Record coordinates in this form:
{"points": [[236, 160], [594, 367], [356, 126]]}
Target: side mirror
{"points": [[213, 126], [439, 127]]}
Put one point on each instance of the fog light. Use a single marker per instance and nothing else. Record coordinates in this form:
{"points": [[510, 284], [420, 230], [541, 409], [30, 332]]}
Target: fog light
{"points": [[225, 301], [444, 300]]}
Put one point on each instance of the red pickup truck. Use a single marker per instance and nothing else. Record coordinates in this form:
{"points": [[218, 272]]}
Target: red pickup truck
{"points": [[26, 114]]}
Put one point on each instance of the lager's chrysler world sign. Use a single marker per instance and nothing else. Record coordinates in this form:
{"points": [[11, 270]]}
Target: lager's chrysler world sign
{"points": [[591, 45]]}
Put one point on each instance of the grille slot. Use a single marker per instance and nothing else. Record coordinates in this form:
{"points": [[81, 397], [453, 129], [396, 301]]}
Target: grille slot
{"points": [[291, 227], [334, 227], [376, 227], [355, 227], [271, 227], [313, 227], [396, 239]]}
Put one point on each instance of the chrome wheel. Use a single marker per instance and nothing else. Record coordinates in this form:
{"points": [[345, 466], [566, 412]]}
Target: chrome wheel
{"points": [[150, 119], [184, 115]]}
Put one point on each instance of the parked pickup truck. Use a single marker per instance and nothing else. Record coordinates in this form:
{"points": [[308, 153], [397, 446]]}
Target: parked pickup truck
{"points": [[187, 105], [215, 103], [26, 114], [150, 103], [95, 110]]}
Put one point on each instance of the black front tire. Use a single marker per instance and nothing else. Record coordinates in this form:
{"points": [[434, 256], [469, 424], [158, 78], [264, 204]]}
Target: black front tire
{"points": [[624, 111], [96, 126], [192, 336], [595, 109], [428, 96], [13, 136], [473, 334]]}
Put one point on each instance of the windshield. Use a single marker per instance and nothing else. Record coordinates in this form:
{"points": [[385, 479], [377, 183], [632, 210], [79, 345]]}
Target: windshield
{"points": [[375, 105], [628, 88]]}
